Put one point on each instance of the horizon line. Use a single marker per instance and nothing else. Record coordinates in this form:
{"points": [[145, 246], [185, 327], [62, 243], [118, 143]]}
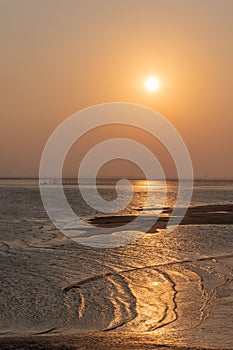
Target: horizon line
{"points": [[115, 177]]}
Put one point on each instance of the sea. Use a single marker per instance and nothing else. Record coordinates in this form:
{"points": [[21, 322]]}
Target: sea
{"points": [[176, 287]]}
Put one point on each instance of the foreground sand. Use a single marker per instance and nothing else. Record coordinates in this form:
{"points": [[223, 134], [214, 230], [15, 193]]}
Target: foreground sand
{"points": [[192, 270], [90, 341]]}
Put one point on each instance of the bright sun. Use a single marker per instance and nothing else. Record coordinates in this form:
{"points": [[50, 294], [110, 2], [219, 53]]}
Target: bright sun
{"points": [[152, 84]]}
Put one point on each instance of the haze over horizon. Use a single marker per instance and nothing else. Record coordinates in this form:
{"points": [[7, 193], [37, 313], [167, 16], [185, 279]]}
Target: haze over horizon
{"points": [[58, 57]]}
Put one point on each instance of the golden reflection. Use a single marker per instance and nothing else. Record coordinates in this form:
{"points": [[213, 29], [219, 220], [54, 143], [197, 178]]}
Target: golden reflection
{"points": [[155, 283]]}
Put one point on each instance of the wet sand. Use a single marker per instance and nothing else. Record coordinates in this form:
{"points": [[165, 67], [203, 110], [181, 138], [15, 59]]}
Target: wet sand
{"points": [[52, 339], [90, 341]]}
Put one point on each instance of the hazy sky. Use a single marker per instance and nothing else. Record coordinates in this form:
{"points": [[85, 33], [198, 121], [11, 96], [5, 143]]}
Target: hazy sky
{"points": [[58, 56]]}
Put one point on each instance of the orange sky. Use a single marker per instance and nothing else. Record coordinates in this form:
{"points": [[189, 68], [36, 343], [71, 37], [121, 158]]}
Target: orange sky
{"points": [[59, 56]]}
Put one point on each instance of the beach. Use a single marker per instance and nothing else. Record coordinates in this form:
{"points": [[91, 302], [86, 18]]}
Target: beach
{"points": [[89, 340], [161, 291]]}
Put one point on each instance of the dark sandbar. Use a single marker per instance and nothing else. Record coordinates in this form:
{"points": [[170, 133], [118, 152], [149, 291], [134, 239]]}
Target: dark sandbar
{"points": [[198, 215]]}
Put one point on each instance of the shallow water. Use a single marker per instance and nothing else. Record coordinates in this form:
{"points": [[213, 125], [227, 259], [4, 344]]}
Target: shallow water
{"points": [[177, 287]]}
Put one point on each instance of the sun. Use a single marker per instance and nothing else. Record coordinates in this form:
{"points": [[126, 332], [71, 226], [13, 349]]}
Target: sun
{"points": [[152, 84]]}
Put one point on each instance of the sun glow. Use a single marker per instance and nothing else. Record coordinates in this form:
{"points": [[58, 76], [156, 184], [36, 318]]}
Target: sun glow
{"points": [[152, 84]]}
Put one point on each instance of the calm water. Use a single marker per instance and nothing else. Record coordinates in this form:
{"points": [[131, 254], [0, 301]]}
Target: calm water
{"points": [[177, 287]]}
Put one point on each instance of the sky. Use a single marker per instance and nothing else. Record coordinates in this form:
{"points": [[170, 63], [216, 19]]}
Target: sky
{"points": [[59, 56]]}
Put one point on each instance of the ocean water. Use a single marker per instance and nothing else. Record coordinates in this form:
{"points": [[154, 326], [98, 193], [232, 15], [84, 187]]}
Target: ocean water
{"points": [[175, 287]]}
